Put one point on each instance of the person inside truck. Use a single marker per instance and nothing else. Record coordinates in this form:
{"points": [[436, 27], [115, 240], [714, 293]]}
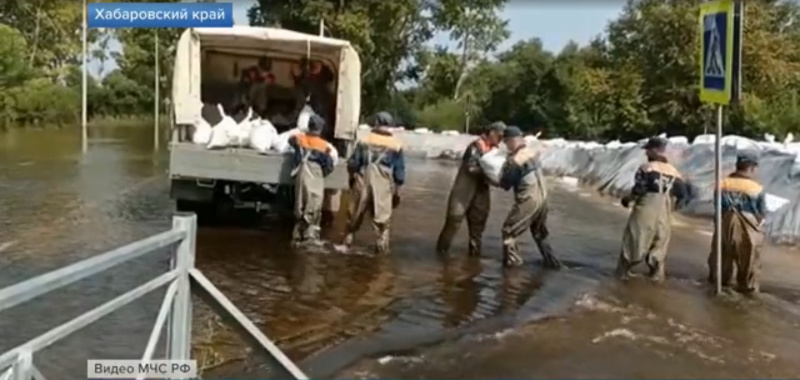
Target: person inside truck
{"points": [[311, 80], [255, 82], [312, 163]]}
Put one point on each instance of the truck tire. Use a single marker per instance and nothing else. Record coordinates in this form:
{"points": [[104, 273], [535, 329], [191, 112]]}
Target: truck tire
{"points": [[205, 215]]}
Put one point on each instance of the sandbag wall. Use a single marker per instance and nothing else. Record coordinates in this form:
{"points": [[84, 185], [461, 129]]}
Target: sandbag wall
{"points": [[611, 172]]}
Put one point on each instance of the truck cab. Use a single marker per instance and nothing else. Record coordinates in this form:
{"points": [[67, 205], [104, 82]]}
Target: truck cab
{"points": [[209, 64]]}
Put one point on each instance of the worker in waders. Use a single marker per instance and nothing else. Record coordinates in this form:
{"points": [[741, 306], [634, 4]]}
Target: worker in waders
{"points": [[743, 211], [313, 162], [469, 195], [377, 170], [646, 236], [522, 173]]}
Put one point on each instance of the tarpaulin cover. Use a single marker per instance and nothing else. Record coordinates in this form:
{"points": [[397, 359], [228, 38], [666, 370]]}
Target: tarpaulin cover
{"points": [[611, 171]]}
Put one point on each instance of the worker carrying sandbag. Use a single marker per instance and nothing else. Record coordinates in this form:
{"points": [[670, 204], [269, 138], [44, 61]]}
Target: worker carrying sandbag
{"points": [[646, 236], [377, 171], [469, 196], [313, 162], [529, 213], [744, 208]]}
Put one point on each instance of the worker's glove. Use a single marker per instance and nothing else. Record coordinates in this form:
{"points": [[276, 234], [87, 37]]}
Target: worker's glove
{"points": [[396, 198], [626, 201]]}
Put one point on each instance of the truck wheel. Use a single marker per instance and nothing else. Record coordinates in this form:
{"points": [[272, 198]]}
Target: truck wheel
{"points": [[224, 211], [204, 213]]}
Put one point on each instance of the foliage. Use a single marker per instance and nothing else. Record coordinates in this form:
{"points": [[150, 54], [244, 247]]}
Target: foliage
{"points": [[13, 48], [137, 60], [443, 115], [639, 78], [475, 25]]}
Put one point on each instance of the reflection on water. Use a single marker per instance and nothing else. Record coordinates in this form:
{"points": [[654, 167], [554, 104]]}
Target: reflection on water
{"points": [[323, 308]]}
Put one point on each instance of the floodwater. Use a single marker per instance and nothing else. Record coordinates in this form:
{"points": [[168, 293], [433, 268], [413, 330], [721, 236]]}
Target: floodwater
{"points": [[409, 314]]}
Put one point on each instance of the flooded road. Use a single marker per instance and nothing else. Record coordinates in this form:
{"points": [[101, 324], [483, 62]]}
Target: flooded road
{"points": [[409, 314]]}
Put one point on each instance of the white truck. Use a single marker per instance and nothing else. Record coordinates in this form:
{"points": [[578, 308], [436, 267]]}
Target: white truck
{"points": [[208, 65]]}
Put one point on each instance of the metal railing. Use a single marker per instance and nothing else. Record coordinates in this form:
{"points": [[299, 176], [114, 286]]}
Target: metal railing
{"points": [[176, 310]]}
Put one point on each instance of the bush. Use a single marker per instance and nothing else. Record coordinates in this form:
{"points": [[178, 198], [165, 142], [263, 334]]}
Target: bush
{"points": [[39, 101], [443, 115]]}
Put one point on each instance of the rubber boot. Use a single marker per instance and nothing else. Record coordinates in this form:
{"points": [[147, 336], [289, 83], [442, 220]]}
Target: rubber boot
{"points": [[549, 259], [327, 218], [297, 232], [511, 257], [446, 236], [348, 239], [311, 235], [657, 272], [475, 247], [623, 271], [382, 243]]}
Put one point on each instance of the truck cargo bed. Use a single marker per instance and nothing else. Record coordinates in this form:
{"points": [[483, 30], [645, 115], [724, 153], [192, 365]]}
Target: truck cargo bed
{"points": [[189, 161]]}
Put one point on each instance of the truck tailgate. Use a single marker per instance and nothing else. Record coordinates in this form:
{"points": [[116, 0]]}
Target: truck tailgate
{"points": [[188, 160]]}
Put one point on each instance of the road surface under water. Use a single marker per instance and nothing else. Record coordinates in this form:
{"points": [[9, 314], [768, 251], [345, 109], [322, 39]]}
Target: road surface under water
{"points": [[409, 314]]}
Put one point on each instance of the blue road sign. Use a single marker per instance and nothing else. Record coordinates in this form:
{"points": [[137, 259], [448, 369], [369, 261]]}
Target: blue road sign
{"points": [[717, 51]]}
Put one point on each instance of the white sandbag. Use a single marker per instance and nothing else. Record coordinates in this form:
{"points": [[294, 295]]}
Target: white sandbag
{"points": [[492, 163], [262, 136], [281, 143], [304, 117], [774, 202], [740, 143], [450, 133], [704, 139], [222, 132], [679, 140], [202, 132], [422, 131], [334, 154], [241, 134]]}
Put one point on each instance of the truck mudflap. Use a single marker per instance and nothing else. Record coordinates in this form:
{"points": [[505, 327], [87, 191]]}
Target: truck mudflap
{"points": [[195, 162]]}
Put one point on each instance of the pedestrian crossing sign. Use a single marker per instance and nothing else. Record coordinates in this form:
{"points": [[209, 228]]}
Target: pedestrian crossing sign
{"points": [[716, 51]]}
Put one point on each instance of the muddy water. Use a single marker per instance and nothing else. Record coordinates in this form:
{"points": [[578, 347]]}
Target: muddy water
{"points": [[408, 314]]}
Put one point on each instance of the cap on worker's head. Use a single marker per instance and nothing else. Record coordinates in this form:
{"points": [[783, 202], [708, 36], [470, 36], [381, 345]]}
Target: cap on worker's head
{"points": [[746, 158], [497, 126], [316, 124], [511, 132], [383, 119], [656, 143]]}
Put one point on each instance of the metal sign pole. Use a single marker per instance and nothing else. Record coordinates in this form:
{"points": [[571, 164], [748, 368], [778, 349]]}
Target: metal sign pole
{"points": [[158, 95], [720, 78], [85, 59], [718, 201]]}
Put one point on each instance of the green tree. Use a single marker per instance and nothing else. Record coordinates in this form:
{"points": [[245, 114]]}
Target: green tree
{"points": [[14, 68], [439, 71], [477, 28], [137, 60], [51, 29]]}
